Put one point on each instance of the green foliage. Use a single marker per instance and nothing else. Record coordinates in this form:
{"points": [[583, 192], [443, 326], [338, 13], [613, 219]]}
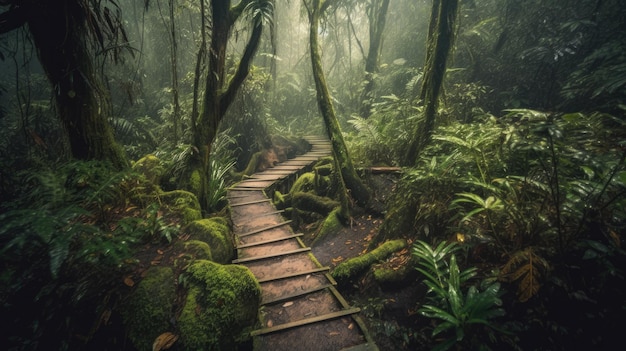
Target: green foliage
{"points": [[461, 314], [382, 138], [65, 244]]}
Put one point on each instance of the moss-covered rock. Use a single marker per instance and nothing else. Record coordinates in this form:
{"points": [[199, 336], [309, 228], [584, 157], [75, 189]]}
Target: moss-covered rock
{"points": [[330, 225], [350, 268], [150, 166], [304, 183], [215, 232], [184, 203], [221, 306], [148, 309], [192, 250]]}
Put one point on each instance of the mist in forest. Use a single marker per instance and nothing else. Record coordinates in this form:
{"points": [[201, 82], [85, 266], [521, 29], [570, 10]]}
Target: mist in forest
{"points": [[499, 127]]}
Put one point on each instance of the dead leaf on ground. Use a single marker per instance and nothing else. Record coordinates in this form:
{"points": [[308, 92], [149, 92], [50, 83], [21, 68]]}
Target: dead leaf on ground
{"points": [[164, 341], [348, 242], [337, 259], [270, 323], [160, 252], [334, 333], [287, 304], [128, 281], [351, 326]]}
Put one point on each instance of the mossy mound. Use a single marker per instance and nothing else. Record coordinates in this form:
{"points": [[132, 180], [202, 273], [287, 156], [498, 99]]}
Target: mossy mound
{"points": [[190, 251], [394, 276], [352, 267], [216, 233], [330, 225], [221, 306], [151, 167], [148, 310], [183, 203]]}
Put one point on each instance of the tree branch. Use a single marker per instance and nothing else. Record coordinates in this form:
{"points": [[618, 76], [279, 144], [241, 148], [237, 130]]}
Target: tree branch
{"points": [[242, 69]]}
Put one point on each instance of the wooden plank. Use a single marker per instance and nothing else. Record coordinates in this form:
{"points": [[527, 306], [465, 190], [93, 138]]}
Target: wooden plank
{"points": [[250, 202], [295, 274], [295, 294], [316, 319], [259, 216], [270, 241], [265, 228], [239, 187], [274, 255]]}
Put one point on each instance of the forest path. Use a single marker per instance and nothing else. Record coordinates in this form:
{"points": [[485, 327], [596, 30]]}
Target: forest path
{"points": [[300, 309]]}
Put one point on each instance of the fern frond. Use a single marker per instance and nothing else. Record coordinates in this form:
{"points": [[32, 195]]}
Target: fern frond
{"points": [[528, 269]]}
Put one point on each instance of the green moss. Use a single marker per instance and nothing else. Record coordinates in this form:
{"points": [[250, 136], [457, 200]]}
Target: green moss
{"points": [[221, 306], [195, 182], [350, 268], [184, 203], [281, 201], [150, 166], [216, 234], [148, 310], [304, 183], [195, 249], [252, 164], [330, 225], [314, 203]]}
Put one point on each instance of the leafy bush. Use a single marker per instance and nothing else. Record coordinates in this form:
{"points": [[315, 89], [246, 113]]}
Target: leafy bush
{"points": [[461, 314]]}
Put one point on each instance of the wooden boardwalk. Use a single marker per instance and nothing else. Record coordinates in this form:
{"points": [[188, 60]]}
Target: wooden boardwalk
{"points": [[301, 308]]}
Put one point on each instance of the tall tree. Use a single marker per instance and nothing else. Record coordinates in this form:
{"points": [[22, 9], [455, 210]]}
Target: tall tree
{"points": [[174, 69], [377, 16], [343, 162], [219, 92], [440, 41], [66, 34]]}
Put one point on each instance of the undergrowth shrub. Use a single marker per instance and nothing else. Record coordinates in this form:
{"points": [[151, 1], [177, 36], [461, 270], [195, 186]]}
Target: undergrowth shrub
{"points": [[64, 244]]}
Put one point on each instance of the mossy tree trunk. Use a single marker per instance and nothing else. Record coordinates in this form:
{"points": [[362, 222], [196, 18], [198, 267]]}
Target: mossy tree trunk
{"points": [[347, 176], [440, 42], [219, 93], [61, 32], [377, 15]]}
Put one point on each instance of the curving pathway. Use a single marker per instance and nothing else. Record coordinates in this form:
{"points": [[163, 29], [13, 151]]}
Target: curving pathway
{"points": [[301, 308]]}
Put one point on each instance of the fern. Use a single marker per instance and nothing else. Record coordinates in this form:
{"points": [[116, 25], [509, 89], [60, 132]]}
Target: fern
{"points": [[527, 269]]}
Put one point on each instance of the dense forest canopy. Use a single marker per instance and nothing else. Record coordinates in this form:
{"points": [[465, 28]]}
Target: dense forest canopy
{"points": [[123, 124]]}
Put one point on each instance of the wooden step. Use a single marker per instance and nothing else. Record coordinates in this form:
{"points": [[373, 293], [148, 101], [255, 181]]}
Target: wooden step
{"points": [[265, 228], [243, 246], [259, 216], [250, 202], [295, 294], [274, 255], [292, 275], [316, 319]]}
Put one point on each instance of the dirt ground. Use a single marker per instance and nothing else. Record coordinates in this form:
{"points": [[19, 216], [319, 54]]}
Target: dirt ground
{"points": [[390, 311]]}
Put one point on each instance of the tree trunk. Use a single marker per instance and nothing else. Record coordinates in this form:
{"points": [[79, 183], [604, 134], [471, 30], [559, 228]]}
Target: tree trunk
{"points": [[441, 38], [377, 14], [342, 159], [59, 31], [218, 94], [174, 69]]}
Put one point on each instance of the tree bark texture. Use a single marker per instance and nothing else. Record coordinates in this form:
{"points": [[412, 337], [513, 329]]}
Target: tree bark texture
{"points": [[377, 14], [219, 94], [343, 163], [440, 42], [60, 33]]}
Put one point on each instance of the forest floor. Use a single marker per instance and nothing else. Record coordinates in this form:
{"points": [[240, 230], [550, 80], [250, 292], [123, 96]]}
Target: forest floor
{"points": [[390, 311]]}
